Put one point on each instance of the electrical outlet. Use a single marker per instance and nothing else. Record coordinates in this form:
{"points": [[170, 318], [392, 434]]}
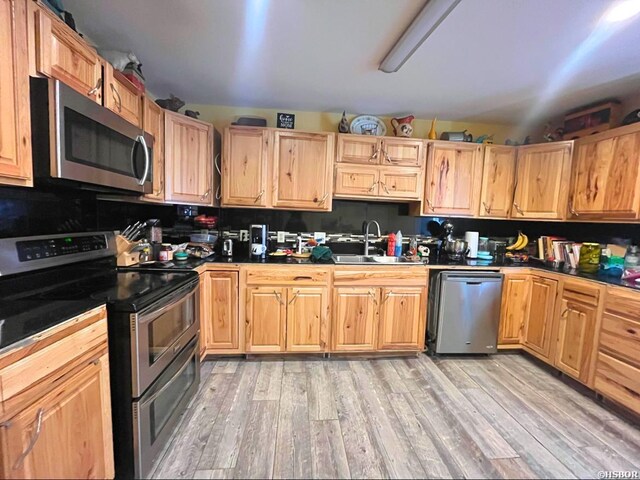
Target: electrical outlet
{"points": [[320, 237], [281, 237], [244, 235]]}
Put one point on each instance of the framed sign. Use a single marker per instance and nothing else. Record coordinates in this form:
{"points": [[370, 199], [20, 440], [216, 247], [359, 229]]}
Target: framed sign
{"points": [[286, 120]]}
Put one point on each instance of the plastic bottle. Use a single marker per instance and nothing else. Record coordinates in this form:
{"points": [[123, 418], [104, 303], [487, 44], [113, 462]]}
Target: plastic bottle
{"points": [[391, 244], [398, 250]]}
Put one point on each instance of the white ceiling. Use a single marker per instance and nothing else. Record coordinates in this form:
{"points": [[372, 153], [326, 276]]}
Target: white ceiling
{"points": [[509, 61]]}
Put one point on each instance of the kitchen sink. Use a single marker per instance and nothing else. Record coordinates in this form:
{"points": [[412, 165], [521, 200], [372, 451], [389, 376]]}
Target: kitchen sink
{"points": [[370, 259]]}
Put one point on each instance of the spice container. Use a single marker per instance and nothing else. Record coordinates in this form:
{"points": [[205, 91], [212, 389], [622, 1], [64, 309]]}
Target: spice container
{"points": [[166, 253]]}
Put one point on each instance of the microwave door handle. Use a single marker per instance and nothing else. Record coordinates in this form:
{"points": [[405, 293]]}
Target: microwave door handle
{"points": [[146, 159]]}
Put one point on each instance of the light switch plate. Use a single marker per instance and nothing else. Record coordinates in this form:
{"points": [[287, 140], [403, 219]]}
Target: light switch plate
{"points": [[244, 235], [320, 237]]}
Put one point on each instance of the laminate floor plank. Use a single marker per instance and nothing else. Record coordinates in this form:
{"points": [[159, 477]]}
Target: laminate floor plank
{"points": [[269, 380], [322, 404], [327, 450], [293, 365], [293, 440], [256, 456], [389, 376]]}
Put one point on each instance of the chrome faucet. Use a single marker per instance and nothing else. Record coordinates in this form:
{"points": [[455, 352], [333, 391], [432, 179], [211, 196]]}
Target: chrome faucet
{"points": [[366, 235]]}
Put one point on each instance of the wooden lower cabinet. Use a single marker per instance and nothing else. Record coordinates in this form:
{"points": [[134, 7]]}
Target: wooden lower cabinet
{"points": [[66, 433], [514, 309], [538, 327], [355, 318], [402, 318], [307, 319], [219, 321], [266, 321]]}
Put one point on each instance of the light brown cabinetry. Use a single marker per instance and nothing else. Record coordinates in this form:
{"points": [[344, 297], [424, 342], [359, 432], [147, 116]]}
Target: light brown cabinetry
{"points": [[498, 180], [15, 116], [577, 319], [453, 181], [356, 181], [302, 170], [542, 178], [538, 326], [62, 54], [355, 318], [606, 175], [266, 319], [188, 160], [121, 96], [153, 123], [307, 319], [219, 320], [55, 415], [514, 309], [244, 167], [402, 318], [384, 151]]}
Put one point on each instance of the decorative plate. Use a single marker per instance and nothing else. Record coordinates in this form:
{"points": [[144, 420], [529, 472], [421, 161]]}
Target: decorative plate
{"points": [[368, 125]]}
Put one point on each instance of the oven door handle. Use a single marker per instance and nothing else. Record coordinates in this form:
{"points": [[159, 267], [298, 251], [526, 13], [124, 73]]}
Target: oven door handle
{"points": [[168, 383], [146, 317]]}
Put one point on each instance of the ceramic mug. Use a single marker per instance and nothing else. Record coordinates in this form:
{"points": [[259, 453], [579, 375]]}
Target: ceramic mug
{"points": [[258, 249]]}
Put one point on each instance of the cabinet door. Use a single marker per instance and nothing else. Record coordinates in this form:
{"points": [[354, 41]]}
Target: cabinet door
{"points": [[356, 182], [538, 328], [404, 183], [62, 54], [355, 318], [219, 317], [244, 167], [542, 177], [121, 96], [403, 314], [515, 308], [453, 179], [361, 149], [307, 319], [302, 168], [266, 319], [498, 177], [576, 329], [402, 152], [15, 116], [188, 160], [605, 176], [153, 122], [64, 434]]}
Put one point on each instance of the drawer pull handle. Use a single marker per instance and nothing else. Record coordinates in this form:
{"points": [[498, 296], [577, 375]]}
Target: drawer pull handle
{"points": [[518, 209], [34, 439], [572, 210], [321, 201], [565, 313], [302, 278], [487, 208], [259, 196], [384, 185], [374, 156], [631, 331], [117, 97], [375, 300], [295, 295], [429, 204], [95, 89], [278, 297], [373, 185]]}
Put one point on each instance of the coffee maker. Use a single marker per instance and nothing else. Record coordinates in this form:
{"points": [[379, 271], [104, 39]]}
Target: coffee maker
{"points": [[258, 236]]}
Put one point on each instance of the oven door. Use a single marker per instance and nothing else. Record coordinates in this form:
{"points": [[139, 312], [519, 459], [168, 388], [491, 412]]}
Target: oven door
{"points": [[160, 332], [95, 145], [157, 412]]}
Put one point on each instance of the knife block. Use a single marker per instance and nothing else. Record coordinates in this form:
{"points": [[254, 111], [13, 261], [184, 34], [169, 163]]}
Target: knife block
{"points": [[125, 257]]}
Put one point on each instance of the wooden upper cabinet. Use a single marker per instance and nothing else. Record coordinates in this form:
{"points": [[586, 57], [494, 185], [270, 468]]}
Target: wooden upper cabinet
{"points": [[360, 149], [62, 54], [188, 160], [244, 167], [403, 152], [577, 316], [121, 96], [266, 320], [515, 308], [538, 327], [307, 319], [153, 123], [452, 185], [302, 170], [355, 318], [219, 316], [498, 179], [15, 116], [403, 314], [606, 175], [356, 181], [64, 434], [542, 178], [400, 183]]}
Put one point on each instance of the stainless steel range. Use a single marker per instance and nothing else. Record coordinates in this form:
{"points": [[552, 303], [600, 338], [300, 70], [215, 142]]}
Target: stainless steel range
{"points": [[153, 326]]}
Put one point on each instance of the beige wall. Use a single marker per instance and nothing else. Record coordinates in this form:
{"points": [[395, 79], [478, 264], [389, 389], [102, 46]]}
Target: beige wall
{"points": [[221, 116]]}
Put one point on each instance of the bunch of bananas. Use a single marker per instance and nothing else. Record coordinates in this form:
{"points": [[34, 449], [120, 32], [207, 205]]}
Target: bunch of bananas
{"points": [[521, 242]]}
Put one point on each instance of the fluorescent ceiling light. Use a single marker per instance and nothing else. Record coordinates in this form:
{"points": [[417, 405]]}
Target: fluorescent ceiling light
{"points": [[431, 15], [622, 10]]}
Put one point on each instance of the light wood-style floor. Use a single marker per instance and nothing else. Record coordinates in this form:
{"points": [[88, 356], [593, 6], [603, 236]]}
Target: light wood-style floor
{"points": [[501, 416]]}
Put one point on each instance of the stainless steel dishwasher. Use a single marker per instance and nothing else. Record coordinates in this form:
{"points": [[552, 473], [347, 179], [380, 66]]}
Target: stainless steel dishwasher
{"points": [[466, 307]]}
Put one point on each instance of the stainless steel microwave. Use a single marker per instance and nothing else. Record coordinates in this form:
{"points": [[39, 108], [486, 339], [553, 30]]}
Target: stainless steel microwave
{"points": [[78, 142]]}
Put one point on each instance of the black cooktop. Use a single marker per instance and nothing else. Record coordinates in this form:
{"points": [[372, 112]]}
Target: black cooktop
{"points": [[31, 303]]}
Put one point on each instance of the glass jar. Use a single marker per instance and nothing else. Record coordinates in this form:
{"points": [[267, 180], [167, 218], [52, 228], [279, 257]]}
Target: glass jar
{"points": [[165, 254], [589, 257], [632, 257]]}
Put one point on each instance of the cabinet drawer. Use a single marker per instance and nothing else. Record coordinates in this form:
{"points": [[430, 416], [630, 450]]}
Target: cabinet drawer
{"points": [[620, 337], [286, 276], [400, 183], [31, 364], [618, 381], [371, 276], [356, 181], [584, 292]]}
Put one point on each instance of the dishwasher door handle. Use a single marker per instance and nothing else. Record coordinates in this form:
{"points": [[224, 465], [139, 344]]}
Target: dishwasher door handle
{"points": [[474, 283]]}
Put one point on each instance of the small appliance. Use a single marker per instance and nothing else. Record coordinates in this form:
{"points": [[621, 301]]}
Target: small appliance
{"points": [[227, 247], [472, 241], [258, 235]]}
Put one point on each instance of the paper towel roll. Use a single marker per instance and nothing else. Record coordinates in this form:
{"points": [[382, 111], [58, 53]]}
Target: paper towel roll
{"points": [[472, 241]]}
